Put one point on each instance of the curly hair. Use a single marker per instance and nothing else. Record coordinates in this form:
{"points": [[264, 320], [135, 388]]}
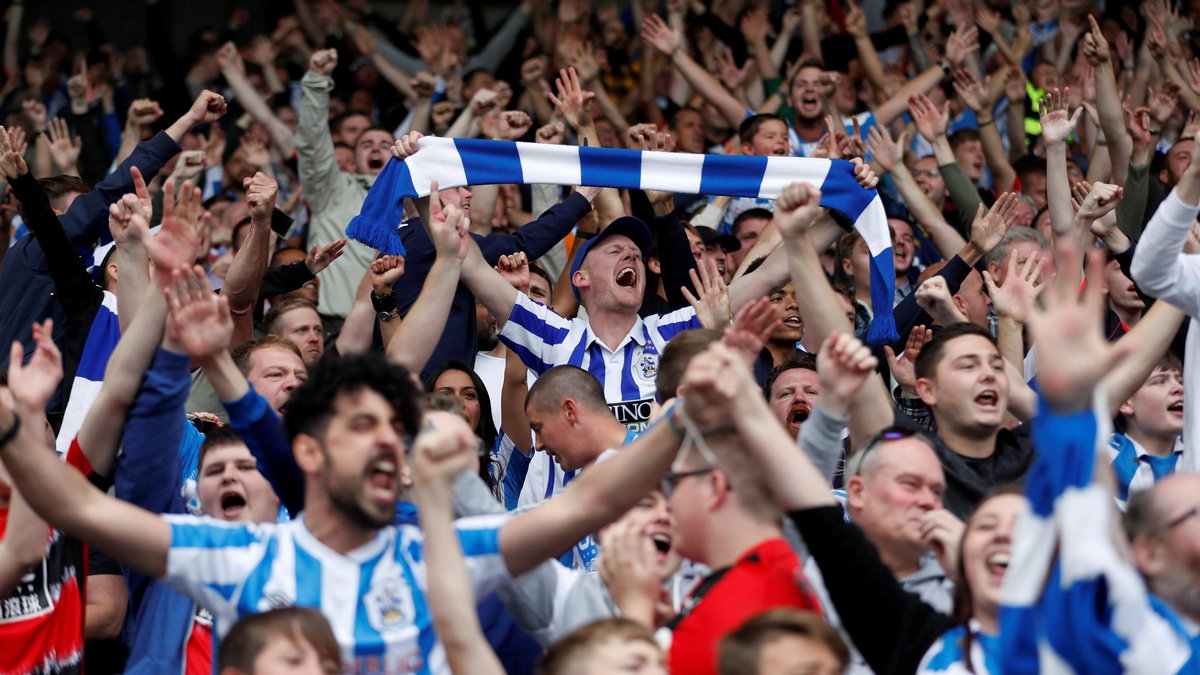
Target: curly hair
{"points": [[311, 404]]}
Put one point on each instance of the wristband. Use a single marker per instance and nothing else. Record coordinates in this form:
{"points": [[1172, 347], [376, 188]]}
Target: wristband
{"points": [[944, 66], [984, 123], [12, 431], [584, 236], [383, 303], [675, 428]]}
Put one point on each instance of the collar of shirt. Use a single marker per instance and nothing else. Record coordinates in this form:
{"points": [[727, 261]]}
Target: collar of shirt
{"points": [[637, 333]]}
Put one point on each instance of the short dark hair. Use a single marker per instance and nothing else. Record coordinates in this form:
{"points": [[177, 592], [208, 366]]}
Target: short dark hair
{"points": [[931, 354], [374, 127], [537, 269], [250, 635], [311, 404], [58, 187], [738, 651], [278, 310], [1029, 165], [811, 62], [217, 437], [750, 126], [335, 125], [674, 118], [962, 136], [1143, 514], [563, 656], [799, 360], [747, 215], [676, 356], [563, 382], [241, 354]]}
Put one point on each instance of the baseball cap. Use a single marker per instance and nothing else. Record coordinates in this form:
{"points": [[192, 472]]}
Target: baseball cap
{"points": [[726, 241], [629, 226]]}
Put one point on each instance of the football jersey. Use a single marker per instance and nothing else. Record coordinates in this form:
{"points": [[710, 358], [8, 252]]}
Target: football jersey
{"points": [[373, 596], [544, 339]]}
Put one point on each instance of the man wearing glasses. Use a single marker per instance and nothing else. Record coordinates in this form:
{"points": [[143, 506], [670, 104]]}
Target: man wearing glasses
{"points": [[725, 519]]}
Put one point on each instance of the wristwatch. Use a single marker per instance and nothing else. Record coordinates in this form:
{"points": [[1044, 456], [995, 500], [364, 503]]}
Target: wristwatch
{"points": [[385, 306]]}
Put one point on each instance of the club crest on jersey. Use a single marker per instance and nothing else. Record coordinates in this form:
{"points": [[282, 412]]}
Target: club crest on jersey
{"points": [[389, 604], [645, 367]]}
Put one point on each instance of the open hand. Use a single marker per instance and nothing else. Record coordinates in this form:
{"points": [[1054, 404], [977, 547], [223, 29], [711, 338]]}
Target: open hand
{"points": [[32, 384], [904, 368], [319, 258]]}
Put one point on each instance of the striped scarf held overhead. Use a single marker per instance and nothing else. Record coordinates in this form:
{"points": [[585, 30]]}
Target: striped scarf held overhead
{"points": [[1072, 600], [460, 162]]}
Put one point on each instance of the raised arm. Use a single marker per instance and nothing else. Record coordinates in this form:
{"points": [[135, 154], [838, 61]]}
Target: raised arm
{"points": [[245, 273], [669, 41], [439, 455], [1057, 125], [889, 155], [796, 208], [1159, 266], [235, 76], [25, 534], [1094, 48], [976, 98], [414, 341], [61, 494], [317, 164]]}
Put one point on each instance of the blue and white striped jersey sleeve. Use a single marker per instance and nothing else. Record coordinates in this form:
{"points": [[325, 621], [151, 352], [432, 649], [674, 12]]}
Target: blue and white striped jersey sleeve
{"points": [[210, 560], [670, 325], [479, 537], [536, 334]]}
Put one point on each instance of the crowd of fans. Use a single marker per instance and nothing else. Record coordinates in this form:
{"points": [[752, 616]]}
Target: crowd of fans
{"points": [[580, 428]]}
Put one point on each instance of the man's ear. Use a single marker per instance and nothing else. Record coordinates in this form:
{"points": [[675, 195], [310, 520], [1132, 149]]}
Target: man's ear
{"points": [[654, 265], [926, 390], [719, 488], [854, 491], [580, 279], [309, 454], [570, 411], [1147, 555]]}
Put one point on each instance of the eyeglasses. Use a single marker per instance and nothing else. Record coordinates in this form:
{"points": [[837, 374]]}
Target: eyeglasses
{"points": [[671, 479], [925, 172], [892, 433], [1179, 520]]}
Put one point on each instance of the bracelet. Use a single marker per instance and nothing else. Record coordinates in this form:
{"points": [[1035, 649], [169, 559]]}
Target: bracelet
{"points": [[984, 123], [1155, 132], [12, 431], [584, 236], [944, 66]]}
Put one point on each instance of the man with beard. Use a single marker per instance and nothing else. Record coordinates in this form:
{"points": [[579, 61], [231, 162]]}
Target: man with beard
{"points": [[347, 427]]}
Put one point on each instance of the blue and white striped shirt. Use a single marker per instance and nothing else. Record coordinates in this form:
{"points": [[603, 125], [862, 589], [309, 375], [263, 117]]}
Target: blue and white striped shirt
{"points": [[1135, 469], [373, 596], [544, 339]]}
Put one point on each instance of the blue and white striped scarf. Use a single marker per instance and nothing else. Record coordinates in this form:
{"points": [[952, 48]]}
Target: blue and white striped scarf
{"points": [[1072, 601], [460, 162], [102, 339]]}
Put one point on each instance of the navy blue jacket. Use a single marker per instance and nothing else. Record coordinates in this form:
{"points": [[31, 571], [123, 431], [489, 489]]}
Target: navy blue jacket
{"points": [[26, 288], [458, 335]]}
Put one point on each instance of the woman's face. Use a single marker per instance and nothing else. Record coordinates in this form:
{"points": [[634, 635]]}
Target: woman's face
{"points": [[459, 385], [987, 545]]}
